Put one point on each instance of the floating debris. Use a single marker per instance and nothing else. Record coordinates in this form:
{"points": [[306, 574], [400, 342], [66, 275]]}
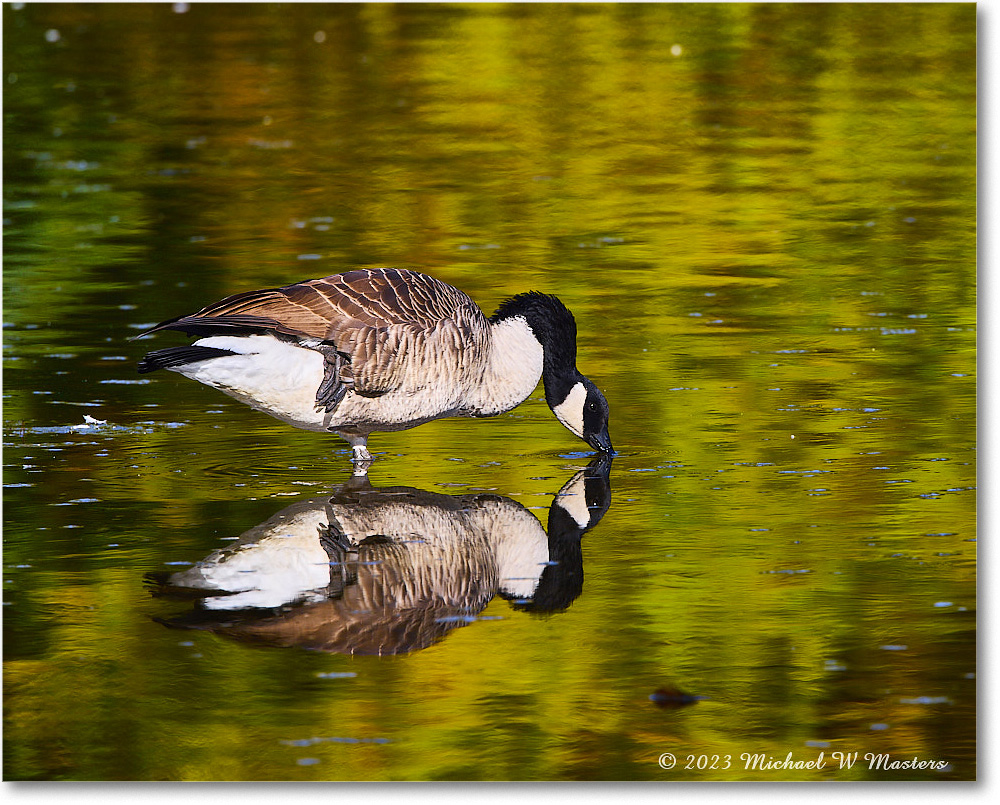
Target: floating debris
{"points": [[89, 422]]}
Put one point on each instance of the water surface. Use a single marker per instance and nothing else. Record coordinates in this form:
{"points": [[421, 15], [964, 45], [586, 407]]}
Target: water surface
{"points": [[763, 218]]}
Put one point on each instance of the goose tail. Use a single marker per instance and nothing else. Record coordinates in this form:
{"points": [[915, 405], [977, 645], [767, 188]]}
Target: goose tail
{"points": [[173, 357]]}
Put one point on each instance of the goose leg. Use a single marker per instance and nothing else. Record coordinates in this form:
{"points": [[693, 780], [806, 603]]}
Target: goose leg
{"points": [[362, 460], [359, 448]]}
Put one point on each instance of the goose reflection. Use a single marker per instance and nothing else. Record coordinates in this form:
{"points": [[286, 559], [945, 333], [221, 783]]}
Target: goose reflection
{"points": [[390, 570]]}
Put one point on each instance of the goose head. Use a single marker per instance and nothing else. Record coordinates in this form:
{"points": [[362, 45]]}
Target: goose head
{"points": [[585, 412], [574, 399]]}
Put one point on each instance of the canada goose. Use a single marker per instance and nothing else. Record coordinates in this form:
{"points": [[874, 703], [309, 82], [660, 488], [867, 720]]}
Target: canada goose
{"points": [[382, 350], [390, 570]]}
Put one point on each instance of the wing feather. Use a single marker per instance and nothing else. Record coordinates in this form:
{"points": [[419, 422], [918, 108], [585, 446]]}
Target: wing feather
{"points": [[391, 324]]}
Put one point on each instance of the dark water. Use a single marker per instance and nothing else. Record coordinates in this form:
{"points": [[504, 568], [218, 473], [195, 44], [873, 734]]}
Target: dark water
{"points": [[763, 217]]}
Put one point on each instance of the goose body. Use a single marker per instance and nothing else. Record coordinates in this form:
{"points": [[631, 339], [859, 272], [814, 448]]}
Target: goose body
{"points": [[384, 350]]}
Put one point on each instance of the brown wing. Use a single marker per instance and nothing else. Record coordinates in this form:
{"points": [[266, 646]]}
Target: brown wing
{"points": [[381, 319]]}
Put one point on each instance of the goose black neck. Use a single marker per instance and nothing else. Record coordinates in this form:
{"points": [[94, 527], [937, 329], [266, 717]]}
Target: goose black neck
{"points": [[555, 328]]}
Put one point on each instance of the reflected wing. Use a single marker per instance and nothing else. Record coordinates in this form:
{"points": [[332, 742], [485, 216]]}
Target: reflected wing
{"points": [[385, 321]]}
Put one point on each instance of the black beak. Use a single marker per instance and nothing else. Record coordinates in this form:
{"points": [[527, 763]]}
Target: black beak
{"points": [[601, 441]]}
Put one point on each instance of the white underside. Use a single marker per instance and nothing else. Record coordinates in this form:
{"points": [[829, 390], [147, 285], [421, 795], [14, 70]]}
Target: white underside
{"points": [[286, 565], [496, 543], [273, 376], [281, 379]]}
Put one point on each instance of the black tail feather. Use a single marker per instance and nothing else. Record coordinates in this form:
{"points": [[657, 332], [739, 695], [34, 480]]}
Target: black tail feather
{"points": [[179, 356]]}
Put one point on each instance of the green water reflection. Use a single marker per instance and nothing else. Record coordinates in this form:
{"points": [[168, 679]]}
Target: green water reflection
{"points": [[763, 217]]}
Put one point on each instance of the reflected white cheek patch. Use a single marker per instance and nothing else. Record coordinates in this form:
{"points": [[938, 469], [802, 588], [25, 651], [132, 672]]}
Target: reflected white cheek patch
{"points": [[573, 499]]}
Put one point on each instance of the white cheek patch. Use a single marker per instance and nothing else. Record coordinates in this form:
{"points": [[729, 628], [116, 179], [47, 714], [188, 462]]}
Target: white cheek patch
{"points": [[570, 410]]}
